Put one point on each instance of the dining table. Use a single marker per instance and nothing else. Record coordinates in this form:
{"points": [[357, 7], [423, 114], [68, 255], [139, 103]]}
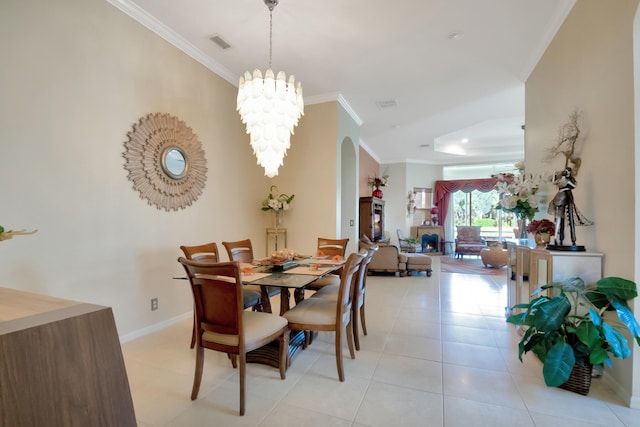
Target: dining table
{"points": [[295, 276], [291, 276]]}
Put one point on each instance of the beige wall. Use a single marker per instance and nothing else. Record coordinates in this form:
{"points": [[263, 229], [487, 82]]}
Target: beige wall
{"points": [[368, 167], [76, 75], [589, 66]]}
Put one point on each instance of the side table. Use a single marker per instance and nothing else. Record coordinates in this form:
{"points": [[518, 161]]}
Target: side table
{"points": [[279, 238]]}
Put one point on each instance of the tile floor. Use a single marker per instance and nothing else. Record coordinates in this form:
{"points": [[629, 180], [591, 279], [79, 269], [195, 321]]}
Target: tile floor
{"points": [[438, 353]]}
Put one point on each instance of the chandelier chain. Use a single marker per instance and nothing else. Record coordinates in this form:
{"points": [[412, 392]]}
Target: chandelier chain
{"points": [[270, 37]]}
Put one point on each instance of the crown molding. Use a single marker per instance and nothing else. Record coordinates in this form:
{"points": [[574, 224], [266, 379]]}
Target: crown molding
{"points": [[144, 18]]}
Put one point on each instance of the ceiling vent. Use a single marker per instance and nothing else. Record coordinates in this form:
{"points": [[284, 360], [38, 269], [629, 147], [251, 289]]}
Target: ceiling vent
{"points": [[383, 105], [220, 42]]}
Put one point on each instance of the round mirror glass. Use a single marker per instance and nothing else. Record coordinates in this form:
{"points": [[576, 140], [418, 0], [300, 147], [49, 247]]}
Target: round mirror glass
{"points": [[174, 162]]}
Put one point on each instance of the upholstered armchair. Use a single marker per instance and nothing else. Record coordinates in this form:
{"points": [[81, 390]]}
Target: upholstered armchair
{"points": [[469, 241]]}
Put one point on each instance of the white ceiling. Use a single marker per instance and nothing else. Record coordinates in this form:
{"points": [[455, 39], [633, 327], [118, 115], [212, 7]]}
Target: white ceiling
{"points": [[369, 51]]}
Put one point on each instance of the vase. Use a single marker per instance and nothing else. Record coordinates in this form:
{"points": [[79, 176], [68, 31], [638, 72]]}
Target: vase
{"points": [[277, 218], [521, 231], [377, 193], [542, 239]]}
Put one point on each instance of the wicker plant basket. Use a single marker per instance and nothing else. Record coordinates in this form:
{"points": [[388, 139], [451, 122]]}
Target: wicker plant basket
{"points": [[580, 379]]}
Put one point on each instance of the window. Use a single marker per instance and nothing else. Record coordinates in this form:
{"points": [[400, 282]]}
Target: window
{"points": [[478, 208]]}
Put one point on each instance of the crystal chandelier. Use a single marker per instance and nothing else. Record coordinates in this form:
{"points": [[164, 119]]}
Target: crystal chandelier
{"points": [[270, 108]]}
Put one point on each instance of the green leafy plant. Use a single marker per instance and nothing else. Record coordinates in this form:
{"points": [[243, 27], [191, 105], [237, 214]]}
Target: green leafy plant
{"points": [[570, 328], [414, 240]]}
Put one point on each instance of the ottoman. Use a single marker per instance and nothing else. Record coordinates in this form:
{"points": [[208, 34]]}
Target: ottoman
{"points": [[496, 258], [418, 262]]}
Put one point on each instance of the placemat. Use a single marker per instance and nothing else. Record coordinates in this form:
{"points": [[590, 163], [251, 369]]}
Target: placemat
{"points": [[307, 270]]}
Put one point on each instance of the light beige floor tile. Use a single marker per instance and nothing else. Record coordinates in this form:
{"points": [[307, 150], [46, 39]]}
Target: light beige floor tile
{"points": [[362, 366], [413, 346], [481, 385], [555, 421], [463, 413], [565, 404], [290, 416], [405, 326], [428, 316], [221, 407], [468, 335], [630, 417], [475, 356], [328, 395], [410, 372], [388, 405], [463, 319]]}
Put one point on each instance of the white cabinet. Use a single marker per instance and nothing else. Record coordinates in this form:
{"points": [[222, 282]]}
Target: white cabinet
{"points": [[556, 266]]}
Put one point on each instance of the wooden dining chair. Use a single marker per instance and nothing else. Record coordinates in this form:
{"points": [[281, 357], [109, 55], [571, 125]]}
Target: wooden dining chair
{"points": [[320, 314], [242, 251], [359, 287], [208, 252], [224, 325], [330, 248]]}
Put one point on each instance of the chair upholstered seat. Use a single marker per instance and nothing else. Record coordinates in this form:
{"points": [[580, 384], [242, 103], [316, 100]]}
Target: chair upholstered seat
{"points": [[328, 292], [328, 280], [257, 325], [315, 311]]}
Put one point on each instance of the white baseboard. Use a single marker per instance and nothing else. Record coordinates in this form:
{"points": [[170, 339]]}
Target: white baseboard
{"points": [[154, 328]]}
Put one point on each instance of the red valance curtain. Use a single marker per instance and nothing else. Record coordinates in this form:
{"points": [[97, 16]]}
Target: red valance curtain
{"points": [[444, 188]]}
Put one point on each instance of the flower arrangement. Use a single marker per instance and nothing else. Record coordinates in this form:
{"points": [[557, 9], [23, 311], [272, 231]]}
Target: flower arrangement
{"points": [[518, 193], [277, 201], [541, 226], [377, 182]]}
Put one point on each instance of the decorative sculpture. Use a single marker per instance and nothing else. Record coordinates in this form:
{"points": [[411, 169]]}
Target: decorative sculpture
{"points": [[563, 206]]}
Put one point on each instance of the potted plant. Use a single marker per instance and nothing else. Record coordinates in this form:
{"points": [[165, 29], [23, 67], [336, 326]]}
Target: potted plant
{"points": [[568, 332]]}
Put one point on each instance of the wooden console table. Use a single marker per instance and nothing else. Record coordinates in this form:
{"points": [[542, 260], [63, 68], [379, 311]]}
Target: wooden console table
{"points": [[61, 364]]}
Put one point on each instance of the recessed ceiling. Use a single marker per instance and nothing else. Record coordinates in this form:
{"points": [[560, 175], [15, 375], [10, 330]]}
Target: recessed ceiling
{"points": [[451, 67]]}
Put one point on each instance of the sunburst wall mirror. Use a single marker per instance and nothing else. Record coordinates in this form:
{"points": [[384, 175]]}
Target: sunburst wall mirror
{"points": [[165, 161]]}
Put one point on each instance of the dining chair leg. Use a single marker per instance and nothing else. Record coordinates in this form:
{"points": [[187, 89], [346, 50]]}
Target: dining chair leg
{"points": [[354, 327], [193, 332], [243, 363], [266, 302], [283, 355], [234, 360], [362, 319], [349, 329], [339, 354], [197, 377]]}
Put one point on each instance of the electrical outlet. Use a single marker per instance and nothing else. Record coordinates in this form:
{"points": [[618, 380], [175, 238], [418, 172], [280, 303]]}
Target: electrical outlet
{"points": [[154, 304], [352, 223]]}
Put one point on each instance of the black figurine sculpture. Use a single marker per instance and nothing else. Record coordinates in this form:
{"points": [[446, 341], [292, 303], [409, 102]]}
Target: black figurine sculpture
{"points": [[563, 207]]}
